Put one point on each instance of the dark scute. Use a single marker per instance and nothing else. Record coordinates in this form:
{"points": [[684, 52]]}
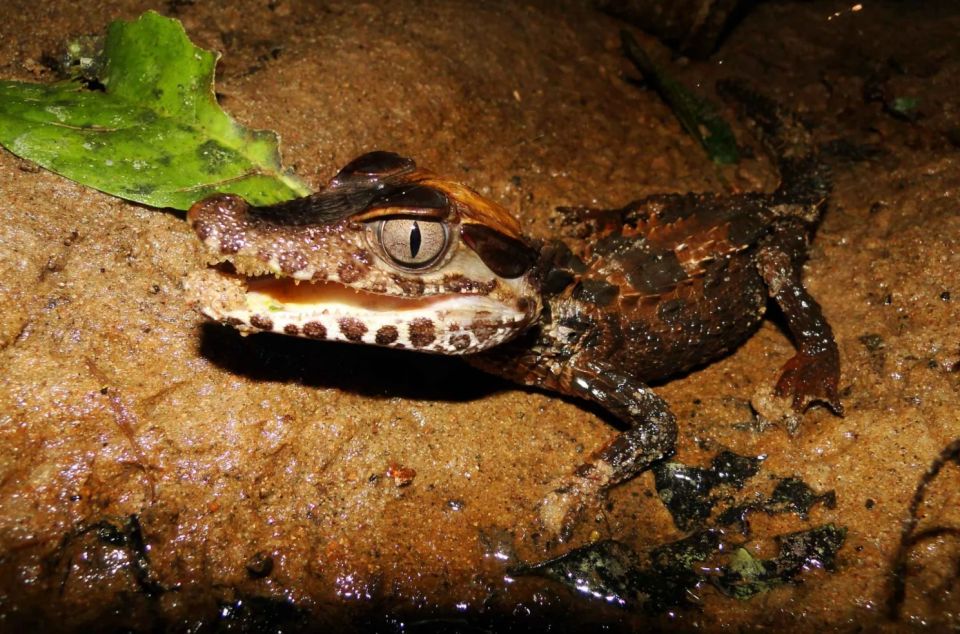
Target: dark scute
{"points": [[671, 310], [578, 325], [556, 281], [261, 322], [352, 191], [506, 256], [596, 292], [353, 329], [576, 264], [746, 229], [344, 200], [653, 272], [678, 207], [422, 332], [713, 280], [374, 165], [614, 243], [595, 338], [410, 196], [387, 335], [562, 257], [324, 207]]}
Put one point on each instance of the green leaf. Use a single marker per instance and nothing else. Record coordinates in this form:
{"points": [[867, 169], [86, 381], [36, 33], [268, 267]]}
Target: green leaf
{"points": [[746, 575], [697, 115], [905, 106], [155, 134]]}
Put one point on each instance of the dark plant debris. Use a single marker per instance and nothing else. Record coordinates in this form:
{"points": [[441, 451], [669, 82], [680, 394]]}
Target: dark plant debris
{"points": [[82, 59], [611, 571], [791, 495], [909, 537], [686, 491], [746, 575], [125, 534], [698, 115]]}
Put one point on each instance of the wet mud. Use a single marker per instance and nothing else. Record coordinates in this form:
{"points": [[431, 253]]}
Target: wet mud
{"points": [[161, 473]]}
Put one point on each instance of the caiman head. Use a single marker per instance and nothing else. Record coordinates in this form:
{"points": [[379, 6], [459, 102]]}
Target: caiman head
{"points": [[387, 254]]}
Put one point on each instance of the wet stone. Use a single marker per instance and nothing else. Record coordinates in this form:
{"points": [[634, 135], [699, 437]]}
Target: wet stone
{"points": [[260, 565]]}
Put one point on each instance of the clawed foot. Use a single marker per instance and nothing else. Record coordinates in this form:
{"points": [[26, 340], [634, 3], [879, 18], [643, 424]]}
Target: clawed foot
{"points": [[563, 506], [811, 378]]}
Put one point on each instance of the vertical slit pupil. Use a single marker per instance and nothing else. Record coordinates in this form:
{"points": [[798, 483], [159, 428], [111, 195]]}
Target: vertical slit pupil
{"points": [[415, 239]]}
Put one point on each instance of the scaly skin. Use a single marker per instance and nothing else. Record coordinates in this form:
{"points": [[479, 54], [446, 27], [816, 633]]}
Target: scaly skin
{"points": [[625, 297]]}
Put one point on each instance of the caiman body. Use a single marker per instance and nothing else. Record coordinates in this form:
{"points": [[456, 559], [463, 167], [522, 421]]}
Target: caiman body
{"points": [[390, 254]]}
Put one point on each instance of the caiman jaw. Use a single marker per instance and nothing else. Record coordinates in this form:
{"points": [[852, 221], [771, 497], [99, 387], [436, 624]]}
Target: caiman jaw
{"points": [[387, 255], [446, 324]]}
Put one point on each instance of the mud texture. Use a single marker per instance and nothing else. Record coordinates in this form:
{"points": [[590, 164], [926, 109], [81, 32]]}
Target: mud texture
{"points": [[159, 473]]}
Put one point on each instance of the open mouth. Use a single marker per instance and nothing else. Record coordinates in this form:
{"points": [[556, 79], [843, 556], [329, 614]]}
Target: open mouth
{"points": [[274, 295], [447, 323], [287, 294]]}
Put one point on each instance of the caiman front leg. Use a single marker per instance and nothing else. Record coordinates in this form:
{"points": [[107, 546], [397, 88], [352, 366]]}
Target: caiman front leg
{"points": [[651, 436], [651, 433]]}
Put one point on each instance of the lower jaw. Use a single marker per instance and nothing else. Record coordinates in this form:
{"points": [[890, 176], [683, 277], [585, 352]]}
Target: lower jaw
{"points": [[390, 330], [458, 324]]}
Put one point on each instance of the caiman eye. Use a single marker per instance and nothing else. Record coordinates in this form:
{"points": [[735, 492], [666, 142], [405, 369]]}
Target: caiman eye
{"points": [[411, 242]]}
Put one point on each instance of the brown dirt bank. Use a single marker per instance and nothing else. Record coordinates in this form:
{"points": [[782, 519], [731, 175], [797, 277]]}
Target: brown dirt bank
{"points": [[257, 467]]}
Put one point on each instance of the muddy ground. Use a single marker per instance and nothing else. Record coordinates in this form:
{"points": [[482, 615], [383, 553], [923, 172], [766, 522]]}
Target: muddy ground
{"points": [[158, 472]]}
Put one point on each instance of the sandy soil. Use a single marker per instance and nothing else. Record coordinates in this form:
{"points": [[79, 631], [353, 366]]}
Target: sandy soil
{"points": [[258, 470]]}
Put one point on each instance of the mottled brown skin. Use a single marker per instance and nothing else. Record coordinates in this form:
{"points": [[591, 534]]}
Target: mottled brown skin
{"points": [[665, 284], [656, 288], [626, 296]]}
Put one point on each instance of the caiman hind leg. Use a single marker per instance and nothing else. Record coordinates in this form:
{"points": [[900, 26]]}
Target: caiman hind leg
{"points": [[813, 374], [651, 436]]}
